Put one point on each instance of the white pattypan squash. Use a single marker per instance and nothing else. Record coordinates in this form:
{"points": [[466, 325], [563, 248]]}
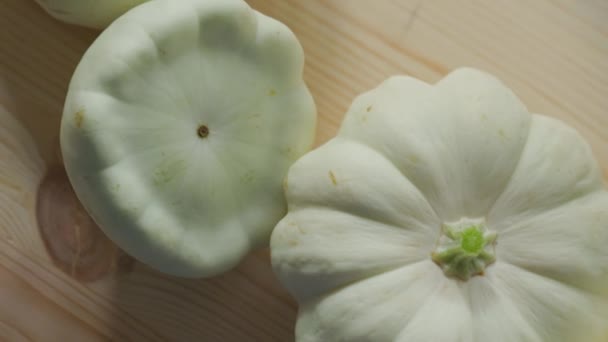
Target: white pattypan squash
{"points": [[90, 13], [446, 213], [179, 126]]}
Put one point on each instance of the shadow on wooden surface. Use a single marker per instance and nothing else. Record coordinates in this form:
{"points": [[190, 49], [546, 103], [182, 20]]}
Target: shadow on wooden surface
{"points": [[245, 304], [72, 239]]}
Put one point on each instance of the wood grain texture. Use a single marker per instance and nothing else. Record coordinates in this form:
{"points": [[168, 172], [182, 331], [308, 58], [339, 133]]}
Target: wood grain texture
{"points": [[553, 54]]}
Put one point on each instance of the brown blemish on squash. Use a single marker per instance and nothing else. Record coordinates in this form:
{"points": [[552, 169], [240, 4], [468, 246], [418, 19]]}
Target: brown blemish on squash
{"points": [[79, 118], [272, 92], [332, 177], [502, 134], [368, 109], [74, 242], [295, 227], [167, 171], [161, 176], [300, 230]]}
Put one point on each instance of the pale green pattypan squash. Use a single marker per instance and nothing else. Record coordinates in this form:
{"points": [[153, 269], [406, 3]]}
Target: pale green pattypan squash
{"points": [[90, 13], [179, 126], [446, 213]]}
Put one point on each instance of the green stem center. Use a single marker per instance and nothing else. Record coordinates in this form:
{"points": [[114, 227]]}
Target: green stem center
{"points": [[464, 249], [472, 240]]}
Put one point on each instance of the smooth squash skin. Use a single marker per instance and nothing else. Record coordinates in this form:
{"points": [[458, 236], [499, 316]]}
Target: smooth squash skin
{"points": [[448, 213], [179, 126], [97, 14]]}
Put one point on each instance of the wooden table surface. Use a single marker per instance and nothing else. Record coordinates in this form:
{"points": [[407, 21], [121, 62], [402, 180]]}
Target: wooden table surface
{"points": [[554, 54]]}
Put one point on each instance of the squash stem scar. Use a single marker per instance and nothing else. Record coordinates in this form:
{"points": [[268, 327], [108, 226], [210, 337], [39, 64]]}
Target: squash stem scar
{"points": [[202, 131], [465, 248]]}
